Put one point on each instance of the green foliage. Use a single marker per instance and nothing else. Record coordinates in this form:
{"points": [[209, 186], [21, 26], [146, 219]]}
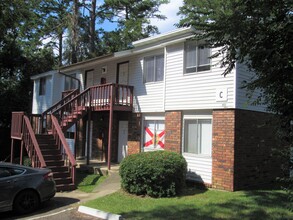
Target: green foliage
{"points": [[257, 33], [156, 174]]}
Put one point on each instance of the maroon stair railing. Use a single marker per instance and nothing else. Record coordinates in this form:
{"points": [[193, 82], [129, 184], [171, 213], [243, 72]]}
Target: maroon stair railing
{"points": [[63, 147], [45, 117], [21, 129]]}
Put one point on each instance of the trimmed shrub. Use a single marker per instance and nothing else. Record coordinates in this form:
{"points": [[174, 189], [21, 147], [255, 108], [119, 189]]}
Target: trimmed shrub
{"points": [[156, 173]]}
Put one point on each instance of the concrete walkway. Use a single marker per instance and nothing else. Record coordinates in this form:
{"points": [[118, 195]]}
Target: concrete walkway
{"points": [[110, 185]]}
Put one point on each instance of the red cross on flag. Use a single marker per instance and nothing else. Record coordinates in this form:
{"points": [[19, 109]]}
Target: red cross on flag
{"points": [[154, 139]]}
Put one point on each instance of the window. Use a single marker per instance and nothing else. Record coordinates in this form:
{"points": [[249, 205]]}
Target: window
{"points": [[154, 68], [154, 135], [6, 172], [197, 57], [198, 136], [70, 83], [42, 87]]}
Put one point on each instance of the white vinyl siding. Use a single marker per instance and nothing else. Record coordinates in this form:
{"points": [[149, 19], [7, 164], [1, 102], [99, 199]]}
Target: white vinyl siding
{"points": [[242, 99], [197, 147], [195, 91], [44, 101], [199, 168], [148, 97]]}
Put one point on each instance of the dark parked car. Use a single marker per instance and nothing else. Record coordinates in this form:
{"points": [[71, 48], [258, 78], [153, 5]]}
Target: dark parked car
{"points": [[23, 188]]}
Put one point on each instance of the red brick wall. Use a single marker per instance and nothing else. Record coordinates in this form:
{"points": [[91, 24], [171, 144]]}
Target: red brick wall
{"points": [[173, 123], [134, 134], [242, 153], [255, 162], [223, 149]]}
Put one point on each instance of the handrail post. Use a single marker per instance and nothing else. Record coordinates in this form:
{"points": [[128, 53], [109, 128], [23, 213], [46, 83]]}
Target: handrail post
{"points": [[110, 127], [88, 128]]}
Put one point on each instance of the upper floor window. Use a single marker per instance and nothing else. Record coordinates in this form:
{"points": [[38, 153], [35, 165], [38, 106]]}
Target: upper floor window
{"points": [[197, 57], [154, 68], [42, 86]]}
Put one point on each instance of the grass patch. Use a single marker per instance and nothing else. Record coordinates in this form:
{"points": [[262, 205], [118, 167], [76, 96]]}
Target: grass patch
{"points": [[87, 182], [198, 204]]}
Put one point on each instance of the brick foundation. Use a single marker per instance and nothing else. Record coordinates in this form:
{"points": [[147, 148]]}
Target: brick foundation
{"points": [[173, 123]]}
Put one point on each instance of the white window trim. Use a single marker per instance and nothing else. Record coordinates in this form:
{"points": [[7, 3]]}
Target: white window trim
{"points": [[148, 118], [194, 117], [184, 59], [143, 69]]}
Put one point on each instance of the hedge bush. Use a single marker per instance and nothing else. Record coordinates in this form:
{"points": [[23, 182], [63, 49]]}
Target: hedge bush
{"points": [[156, 173]]}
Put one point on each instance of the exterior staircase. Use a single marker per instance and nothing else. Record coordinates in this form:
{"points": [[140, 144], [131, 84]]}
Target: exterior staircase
{"points": [[55, 162], [43, 135], [73, 117]]}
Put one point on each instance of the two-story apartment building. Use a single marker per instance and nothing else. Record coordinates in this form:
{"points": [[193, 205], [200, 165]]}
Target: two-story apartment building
{"points": [[181, 102]]}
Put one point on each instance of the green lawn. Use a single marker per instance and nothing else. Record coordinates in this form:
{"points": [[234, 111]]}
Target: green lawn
{"points": [[87, 182], [198, 204]]}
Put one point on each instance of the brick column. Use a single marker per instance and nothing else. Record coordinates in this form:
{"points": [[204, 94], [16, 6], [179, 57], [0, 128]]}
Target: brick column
{"points": [[223, 149], [134, 133], [173, 122]]}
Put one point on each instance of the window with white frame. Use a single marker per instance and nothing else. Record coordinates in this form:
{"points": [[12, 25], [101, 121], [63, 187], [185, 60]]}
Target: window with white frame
{"points": [[154, 135], [198, 136], [42, 86], [197, 57], [154, 68]]}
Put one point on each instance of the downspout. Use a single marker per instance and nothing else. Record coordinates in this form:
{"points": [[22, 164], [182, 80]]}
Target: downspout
{"points": [[164, 88]]}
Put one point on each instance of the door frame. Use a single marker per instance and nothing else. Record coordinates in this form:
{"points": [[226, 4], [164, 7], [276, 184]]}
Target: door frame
{"points": [[117, 72], [121, 148], [85, 76]]}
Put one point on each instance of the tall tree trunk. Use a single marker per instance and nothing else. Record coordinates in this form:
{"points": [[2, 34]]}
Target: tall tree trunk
{"points": [[60, 49], [74, 32], [92, 34]]}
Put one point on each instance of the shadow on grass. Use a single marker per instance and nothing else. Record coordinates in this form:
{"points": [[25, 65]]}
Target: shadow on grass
{"points": [[82, 178], [248, 205]]}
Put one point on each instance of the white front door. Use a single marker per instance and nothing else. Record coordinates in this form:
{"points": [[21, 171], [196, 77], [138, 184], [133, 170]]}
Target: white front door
{"points": [[122, 140], [123, 73]]}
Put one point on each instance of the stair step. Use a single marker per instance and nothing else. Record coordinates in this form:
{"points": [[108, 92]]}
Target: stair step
{"points": [[63, 180], [50, 152], [61, 174], [55, 163], [57, 169], [48, 146], [52, 157], [65, 187]]}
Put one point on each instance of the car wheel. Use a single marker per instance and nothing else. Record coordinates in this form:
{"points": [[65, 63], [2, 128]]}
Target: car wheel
{"points": [[26, 201]]}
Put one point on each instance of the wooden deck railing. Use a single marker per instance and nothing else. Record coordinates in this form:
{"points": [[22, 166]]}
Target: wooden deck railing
{"points": [[31, 144], [99, 97], [63, 147]]}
